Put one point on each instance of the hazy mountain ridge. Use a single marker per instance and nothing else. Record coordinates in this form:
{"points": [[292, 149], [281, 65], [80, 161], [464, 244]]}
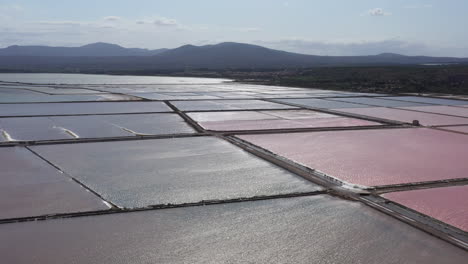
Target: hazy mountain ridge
{"points": [[98, 49], [104, 56]]}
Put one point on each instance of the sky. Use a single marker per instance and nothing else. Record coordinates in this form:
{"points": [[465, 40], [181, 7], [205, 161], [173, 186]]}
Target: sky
{"points": [[321, 27]]}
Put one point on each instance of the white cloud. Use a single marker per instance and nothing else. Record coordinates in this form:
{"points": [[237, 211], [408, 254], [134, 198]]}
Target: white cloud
{"points": [[60, 23], [107, 27], [166, 22], [111, 18], [146, 32], [162, 22], [248, 29], [378, 12]]}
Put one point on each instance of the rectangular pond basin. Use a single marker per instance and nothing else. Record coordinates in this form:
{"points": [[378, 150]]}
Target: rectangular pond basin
{"points": [[279, 119], [447, 204], [374, 157], [295, 230], [38, 109], [320, 103], [172, 171], [227, 105], [461, 129], [429, 100], [90, 126], [405, 116], [378, 102], [441, 109], [30, 187]]}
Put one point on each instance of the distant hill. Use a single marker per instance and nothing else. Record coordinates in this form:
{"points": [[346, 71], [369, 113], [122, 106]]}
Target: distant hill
{"points": [[109, 57], [98, 49]]}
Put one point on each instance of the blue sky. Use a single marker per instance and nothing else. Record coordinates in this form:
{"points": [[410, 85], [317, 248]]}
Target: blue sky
{"points": [[331, 27]]}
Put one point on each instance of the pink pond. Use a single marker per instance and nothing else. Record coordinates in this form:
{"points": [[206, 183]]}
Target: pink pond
{"points": [[448, 204], [375, 157], [441, 109], [407, 116], [257, 120], [462, 129]]}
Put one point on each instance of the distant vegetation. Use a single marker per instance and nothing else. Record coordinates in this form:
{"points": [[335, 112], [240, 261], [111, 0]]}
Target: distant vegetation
{"points": [[443, 79], [401, 79]]}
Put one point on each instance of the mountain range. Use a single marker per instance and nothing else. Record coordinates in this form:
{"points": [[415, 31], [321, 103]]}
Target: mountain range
{"points": [[98, 49], [228, 55]]}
